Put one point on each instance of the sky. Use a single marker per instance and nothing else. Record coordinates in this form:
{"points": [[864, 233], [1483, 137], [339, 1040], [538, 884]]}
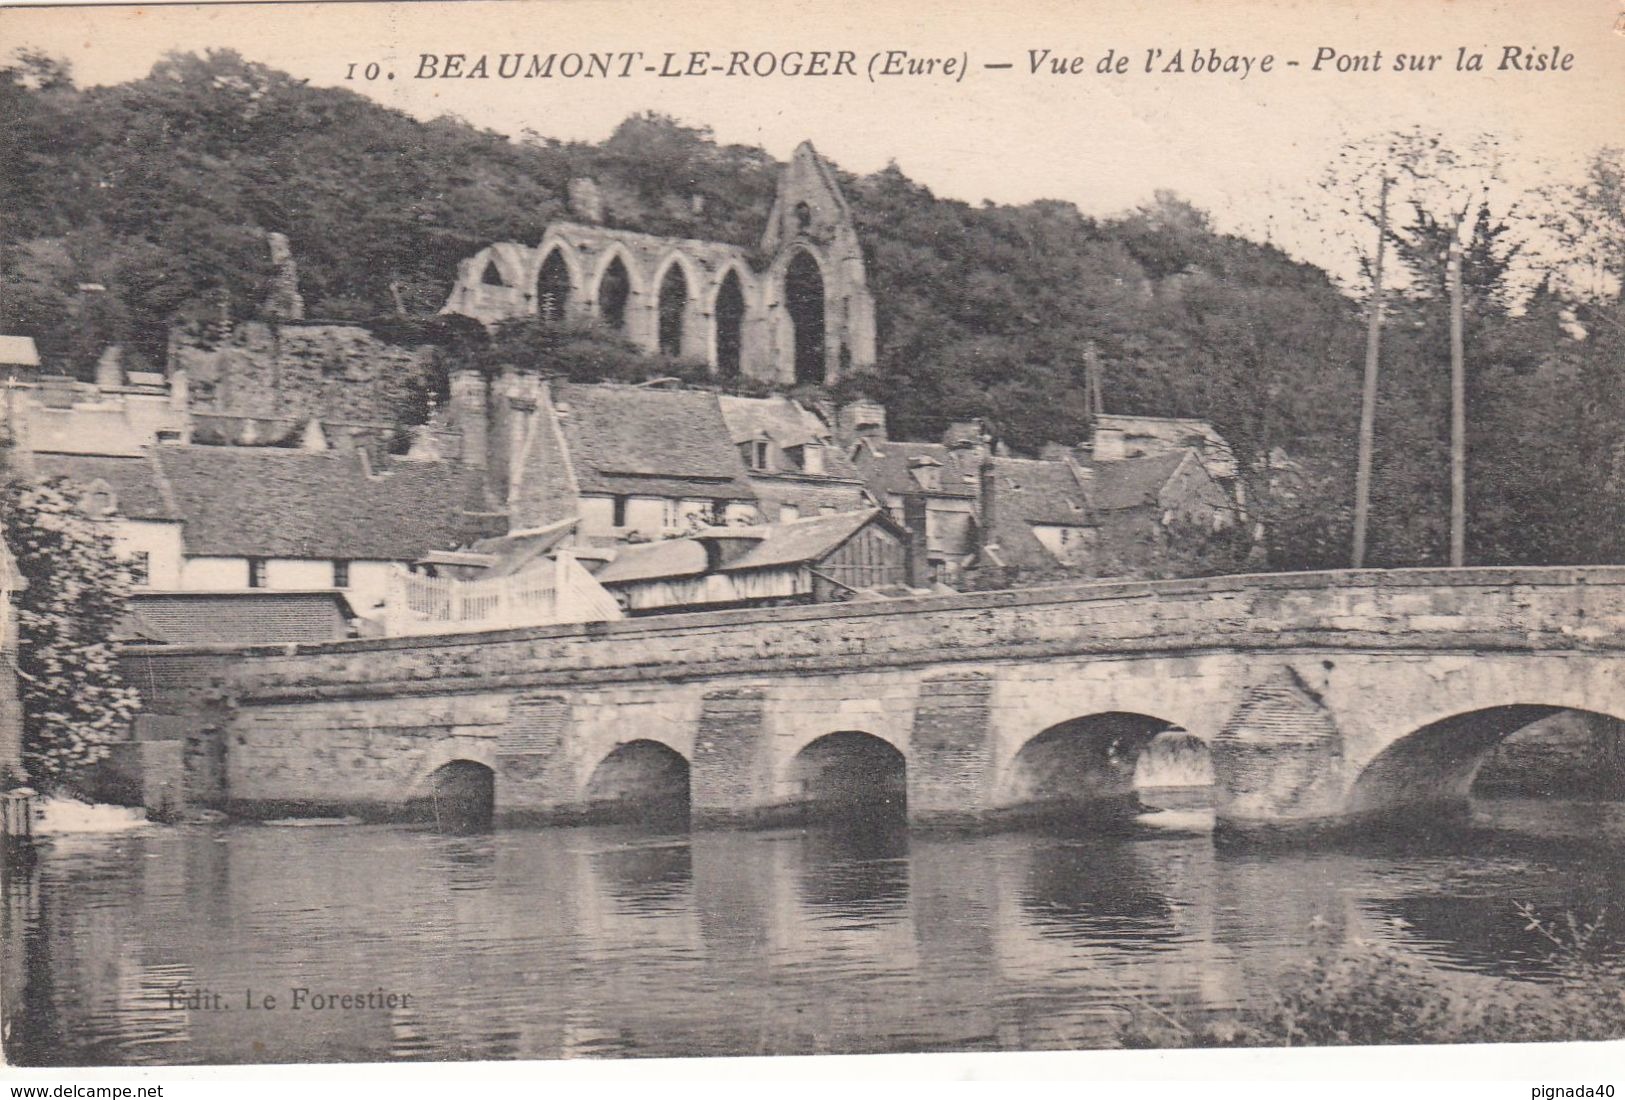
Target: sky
{"points": [[1249, 148]]}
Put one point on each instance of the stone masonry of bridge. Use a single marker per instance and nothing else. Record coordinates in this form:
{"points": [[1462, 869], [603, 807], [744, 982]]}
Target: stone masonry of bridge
{"points": [[1320, 696]]}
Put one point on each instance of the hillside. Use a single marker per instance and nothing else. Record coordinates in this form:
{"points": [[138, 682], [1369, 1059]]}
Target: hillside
{"points": [[162, 189]]}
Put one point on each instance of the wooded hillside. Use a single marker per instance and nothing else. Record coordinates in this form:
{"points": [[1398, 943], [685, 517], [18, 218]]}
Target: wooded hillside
{"points": [[162, 190]]}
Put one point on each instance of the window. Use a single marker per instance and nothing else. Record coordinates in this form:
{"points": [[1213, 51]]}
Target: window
{"points": [[756, 454], [256, 572], [812, 458], [341, 574], [617, 517], [140, 565]]}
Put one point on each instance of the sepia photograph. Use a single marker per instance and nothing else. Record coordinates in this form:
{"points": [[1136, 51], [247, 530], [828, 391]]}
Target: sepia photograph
{"points": [[540, 530]]}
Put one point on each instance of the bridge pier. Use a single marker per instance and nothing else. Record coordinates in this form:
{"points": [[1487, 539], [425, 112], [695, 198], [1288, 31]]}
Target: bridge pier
{"points": [[951, 750], [1279, 759]]}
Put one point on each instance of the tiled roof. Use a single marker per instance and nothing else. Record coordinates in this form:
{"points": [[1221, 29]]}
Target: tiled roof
{"points": [[276, 503], [1039, 491], [1132, 482], [885, 467], [642, 441], [782, 544], [801, 540], [248, 618], [788, 424], [134, 480], [669, 558]]}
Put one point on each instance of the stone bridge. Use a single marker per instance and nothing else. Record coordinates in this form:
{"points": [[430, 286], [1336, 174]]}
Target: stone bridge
{"points": [[1318, 696]]}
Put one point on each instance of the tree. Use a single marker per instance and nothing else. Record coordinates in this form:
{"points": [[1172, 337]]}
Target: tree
{"points": [[75, 702]]}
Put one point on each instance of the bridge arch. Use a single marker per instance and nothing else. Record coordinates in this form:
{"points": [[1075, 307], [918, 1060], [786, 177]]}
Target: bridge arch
{"points": [[640, 780], [1093, 764], [1431, 768], [462, 796], [847, 775]]}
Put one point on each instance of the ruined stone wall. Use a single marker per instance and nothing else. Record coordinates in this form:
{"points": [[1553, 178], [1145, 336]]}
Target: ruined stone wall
{"points": [[292, 372]]}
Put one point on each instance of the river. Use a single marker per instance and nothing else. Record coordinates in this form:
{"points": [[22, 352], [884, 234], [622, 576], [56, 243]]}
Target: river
{"points": [[164, 946]]}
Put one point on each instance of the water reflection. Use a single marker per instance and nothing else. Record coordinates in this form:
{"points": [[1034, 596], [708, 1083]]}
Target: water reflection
{"points": [[607, 940]]}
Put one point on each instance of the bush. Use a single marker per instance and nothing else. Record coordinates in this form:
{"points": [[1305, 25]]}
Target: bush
{"points": [[1370, 995]]}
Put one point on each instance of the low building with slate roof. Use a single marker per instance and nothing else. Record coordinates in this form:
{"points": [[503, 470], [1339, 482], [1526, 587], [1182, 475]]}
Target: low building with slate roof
{"points": [[228, 519], [252, 617], [816, 560]]}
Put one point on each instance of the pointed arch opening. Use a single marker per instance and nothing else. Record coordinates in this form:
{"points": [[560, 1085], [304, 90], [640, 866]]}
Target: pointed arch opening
{"points": [[553, 288], [491, 276], [730, 324], [804, 302], [614, 291], [673, 309]]}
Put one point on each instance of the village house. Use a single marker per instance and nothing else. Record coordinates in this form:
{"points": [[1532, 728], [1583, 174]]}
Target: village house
{"points": [[242, 520], [1071, 510]]}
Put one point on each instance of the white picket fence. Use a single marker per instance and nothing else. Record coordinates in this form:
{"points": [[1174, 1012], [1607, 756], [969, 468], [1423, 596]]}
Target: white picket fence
{"points": [[556, 591]]}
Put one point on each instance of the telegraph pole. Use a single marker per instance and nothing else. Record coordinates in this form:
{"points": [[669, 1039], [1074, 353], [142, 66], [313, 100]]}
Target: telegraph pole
{"points": [[1368, 397], [1458, 414]]}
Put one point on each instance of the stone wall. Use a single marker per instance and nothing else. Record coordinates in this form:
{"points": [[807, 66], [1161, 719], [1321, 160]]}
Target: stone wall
{"points": [[285, 374]]}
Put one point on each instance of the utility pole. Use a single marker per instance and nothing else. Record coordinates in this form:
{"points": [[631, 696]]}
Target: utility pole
{"points": [[1458, 414], [1368, 397]]}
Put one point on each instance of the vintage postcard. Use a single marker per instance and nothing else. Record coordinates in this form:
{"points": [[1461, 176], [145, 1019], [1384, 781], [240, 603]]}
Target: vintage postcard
{"points": [[552, 530]]}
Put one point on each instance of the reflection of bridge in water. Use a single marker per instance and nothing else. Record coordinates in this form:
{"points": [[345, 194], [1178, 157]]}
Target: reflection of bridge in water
{"points": [[608, 940], [1316, 697]]}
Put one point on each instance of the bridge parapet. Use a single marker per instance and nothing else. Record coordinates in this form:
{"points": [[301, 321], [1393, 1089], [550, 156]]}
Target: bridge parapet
{"points": [[1403, 610]]}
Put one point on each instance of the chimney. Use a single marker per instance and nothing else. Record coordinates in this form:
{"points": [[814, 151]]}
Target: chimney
{"points": [[917, 520], [861, 420], [179, 397], [467, 414], [586, 201], [284, 303], [110, 368], [971, 436], [987, 504], [1109, 445]]}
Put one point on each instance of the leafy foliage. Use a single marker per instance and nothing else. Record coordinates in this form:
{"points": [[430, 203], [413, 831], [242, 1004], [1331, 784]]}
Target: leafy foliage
{"points": [[1367, 994], [75, 702]]}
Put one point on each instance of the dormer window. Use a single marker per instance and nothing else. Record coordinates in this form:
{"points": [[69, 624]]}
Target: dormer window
{"points": [[99, 501], [812, 458], [755, 453], [927, 473]]}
